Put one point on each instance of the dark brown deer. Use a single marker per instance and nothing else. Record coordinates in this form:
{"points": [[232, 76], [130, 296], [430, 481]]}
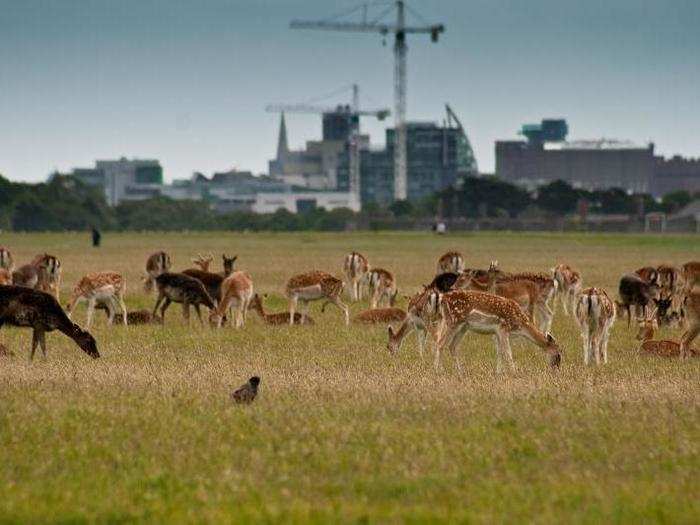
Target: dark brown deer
{"points": [[181, 288], [20, 306]]}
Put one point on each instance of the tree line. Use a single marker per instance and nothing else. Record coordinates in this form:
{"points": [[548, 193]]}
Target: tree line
{"points": [[65, 203]]}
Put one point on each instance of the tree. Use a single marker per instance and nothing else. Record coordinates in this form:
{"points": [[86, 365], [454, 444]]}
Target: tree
{"points": [[676, 200], [558, 197]]}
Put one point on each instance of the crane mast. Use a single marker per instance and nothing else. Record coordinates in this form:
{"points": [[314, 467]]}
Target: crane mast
{"points": [[399, 30]]}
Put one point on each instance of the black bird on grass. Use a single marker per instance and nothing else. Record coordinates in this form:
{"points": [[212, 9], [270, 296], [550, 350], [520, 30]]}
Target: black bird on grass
{"points": [[247, 392]]}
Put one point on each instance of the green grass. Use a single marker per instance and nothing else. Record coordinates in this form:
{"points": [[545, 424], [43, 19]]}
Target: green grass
{"points": [[342, 431]]}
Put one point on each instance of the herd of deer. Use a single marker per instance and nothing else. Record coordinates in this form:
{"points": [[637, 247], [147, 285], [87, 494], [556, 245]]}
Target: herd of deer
{"points": [[458, 300]]}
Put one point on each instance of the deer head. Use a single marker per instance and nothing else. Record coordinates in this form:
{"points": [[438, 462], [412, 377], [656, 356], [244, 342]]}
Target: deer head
{"points": [[203, 262], [228, 263]]}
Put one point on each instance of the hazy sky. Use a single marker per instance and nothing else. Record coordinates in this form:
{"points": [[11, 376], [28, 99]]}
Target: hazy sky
{"points": [[187, 82]]}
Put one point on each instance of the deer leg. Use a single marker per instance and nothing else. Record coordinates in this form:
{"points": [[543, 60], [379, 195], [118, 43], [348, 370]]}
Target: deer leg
{"points": [[564, 298], [91, 311], [453, 347], [604, 344], [163, 308], [122, 305], [199, 313], [158, 301], [374, 299], [35, 342], [586, 344], [506, 350], [42, 342], [421, 336], [292, 306]]}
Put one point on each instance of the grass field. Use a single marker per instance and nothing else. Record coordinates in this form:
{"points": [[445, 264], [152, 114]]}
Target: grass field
{"points": [[342, 431]]}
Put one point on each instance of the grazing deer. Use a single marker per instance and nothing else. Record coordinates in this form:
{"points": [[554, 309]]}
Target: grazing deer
{"points": [[275, 318], [691, 274], [450, 262], [5, 277], [236, 294], [380, 315], [181, 288], [6, 260], [660, 348], [107, 288], [157, 263], [382, 286], [486, 313], [422, 315], [355, 268], [636, 292], [595, 314], [312, 286], [530, 291], [21, 306], [569, 285], [692, 313]]}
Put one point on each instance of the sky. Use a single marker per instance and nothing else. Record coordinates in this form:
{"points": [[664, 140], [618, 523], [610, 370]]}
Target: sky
{"points": [[187, 82]]}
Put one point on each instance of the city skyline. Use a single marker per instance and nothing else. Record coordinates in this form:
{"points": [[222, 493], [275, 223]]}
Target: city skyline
{"points": [[187, 83]]}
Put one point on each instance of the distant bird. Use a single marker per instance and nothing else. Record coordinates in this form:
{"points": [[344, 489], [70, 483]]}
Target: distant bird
{"points": [[247, 392]]}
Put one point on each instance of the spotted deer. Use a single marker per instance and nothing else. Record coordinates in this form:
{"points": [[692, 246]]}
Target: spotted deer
{"points": [[530, 291], [661, 348], [356, 269], [485, 313], [595, 314], [313, 286], [156, 264], [107, 288], [42, 273], [6, 261], [380, 315], [5, 277], [280, 318], [236, 294], [422, 315], [450, 262], [569, 284], [692, 313], [382, 287]]}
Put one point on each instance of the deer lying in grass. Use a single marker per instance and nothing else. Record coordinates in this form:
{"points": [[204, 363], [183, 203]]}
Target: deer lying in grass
{"points": [[356, 269], [133, 317], [236, 294], [157, 263], [380, 315], [452, 262], [275, 318], [660, 348], [42, 273], [313, 286], [107, 288], [181, 288], [382, 287], [485, 313], [595, 314], [569, 285], [21, 306], [422, 315]]}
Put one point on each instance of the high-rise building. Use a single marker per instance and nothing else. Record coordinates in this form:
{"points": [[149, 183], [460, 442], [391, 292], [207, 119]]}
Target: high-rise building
{"points": [[124, 179]]}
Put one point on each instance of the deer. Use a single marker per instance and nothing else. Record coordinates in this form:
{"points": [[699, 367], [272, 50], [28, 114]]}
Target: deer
{"points": [[26, 307], [382, 286], [595, 314], [313, 286], [530, 291], [380, 315], [5, 277], [356, 269], [42, 273], [635, 291], [422, 315], [692, 313], [485, 313], [450, 262], [569, 285], [275, 319], [691, 274], [236, 294], [181, 288], [6, 261], [662, 348], [648, 274], [133, 317], [107, 288], [157, 263]]}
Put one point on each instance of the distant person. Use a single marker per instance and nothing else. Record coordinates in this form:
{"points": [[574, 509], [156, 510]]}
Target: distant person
{"points": [[96, 237]]}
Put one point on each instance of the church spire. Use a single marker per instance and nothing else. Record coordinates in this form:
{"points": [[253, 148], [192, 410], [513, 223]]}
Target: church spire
{"points": [[282, 146]]}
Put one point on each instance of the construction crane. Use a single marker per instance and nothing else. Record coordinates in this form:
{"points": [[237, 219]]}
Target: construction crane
{"points": [[354, 139], [471, 165], [399, 30]]}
